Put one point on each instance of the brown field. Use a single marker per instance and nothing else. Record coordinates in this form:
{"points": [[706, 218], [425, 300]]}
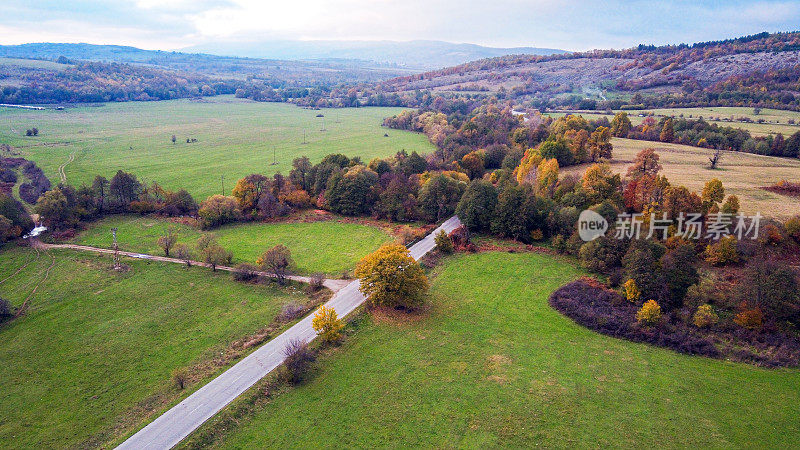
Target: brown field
{"points": [[774, 120], [742, 174]]}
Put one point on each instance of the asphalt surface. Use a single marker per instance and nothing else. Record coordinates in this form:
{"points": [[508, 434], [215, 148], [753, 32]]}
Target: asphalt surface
{"points": [[170, 428]]}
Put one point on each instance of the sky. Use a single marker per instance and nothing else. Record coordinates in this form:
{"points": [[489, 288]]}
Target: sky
{"points": [[570, 25]]}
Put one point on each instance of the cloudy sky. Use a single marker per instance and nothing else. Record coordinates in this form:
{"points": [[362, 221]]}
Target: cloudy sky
{"points": [[570, 25]]}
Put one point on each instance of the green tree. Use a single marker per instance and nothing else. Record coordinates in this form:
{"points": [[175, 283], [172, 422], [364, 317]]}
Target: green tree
{"points": [[124, 188], [218, 210], [353, 192], [477, 205], [439, 196]]}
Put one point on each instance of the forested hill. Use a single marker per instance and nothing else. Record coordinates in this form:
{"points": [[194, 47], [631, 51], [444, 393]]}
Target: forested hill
{"points": [[761, 69], [72, 73]]}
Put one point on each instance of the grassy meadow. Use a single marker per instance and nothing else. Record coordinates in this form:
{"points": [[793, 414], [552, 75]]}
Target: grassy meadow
{"points": [[235, 137], [329, 247], [95, 343], [742, 174], [492, 365]]}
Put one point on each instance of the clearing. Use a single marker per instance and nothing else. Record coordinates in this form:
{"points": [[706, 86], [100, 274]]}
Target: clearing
{"points": [[741, 173], [492, 365], [235, 137], [329, 247]]}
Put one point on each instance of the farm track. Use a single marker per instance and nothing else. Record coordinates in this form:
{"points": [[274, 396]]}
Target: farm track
{"points": [[24, 305], [332, 284], [61, 173], [35, 258]]}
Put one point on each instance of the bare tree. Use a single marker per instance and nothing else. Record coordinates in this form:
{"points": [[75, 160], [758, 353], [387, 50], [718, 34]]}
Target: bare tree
{"points": [[715, 158], [298, 359], [277, 261], [168, 240], [182, 251]]}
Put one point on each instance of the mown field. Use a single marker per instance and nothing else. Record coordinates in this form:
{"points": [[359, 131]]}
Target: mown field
{"points": [[329, 247], [94, 343], [775, 120], [235, 137], [742, 174], [492, 365]]}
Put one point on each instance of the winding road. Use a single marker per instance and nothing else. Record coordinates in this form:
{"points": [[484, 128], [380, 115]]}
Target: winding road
{"points": [[170, 428]]}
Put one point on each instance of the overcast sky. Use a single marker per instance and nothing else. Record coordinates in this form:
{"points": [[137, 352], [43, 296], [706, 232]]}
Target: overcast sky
{"points": [[569, 25]]}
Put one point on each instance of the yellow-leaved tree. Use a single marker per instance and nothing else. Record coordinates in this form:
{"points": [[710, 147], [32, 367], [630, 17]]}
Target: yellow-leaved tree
{"points": [[391, 277], [327, 324], [526, 171], [547, 177], [632, 292]]}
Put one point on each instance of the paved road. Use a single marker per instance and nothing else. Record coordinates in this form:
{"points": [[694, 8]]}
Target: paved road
{"points": [[170, 428], [332, 284]]}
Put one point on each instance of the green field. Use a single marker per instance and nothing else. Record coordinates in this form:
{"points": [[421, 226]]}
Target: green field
{"points": [[329, 247], [235, 137], [775, 120], [94, 343], [742, 174], [492, 365]]}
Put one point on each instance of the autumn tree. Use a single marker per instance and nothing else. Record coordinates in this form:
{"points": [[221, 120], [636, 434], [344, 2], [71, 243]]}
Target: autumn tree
{"points": [[327, 324], [600, 144], [276, 261], [167, 240], [645, 163], [713, 193], [547, 177], [443, 242], [218, 210], [667, 131], [621, 124], [391, 277], [600, 183], [526, 171], [473, 164]]}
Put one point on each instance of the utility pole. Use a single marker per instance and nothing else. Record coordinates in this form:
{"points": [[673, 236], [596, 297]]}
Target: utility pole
{"points": [[117, 265], [304, 135], [323, 123]]}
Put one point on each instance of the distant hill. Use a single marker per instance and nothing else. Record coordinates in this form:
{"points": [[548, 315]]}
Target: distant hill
{"points": [[757, 70], [327, 71], [425, 55]]}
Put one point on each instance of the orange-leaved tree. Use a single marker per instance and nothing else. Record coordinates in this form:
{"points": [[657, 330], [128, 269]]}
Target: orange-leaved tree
{"points": [[391, 277]]}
